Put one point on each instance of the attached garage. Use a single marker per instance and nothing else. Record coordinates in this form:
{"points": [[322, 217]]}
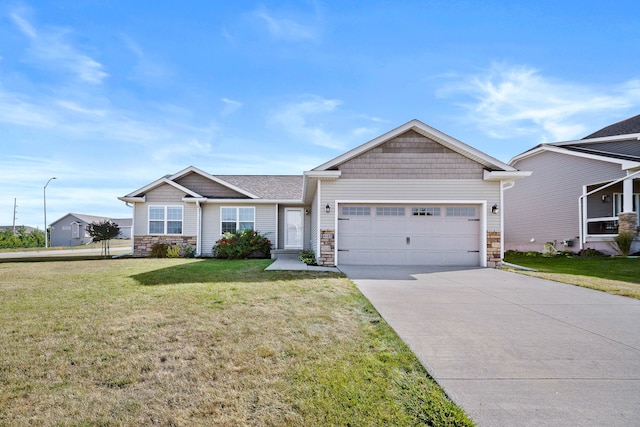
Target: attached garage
{"points": [[437, 234]]}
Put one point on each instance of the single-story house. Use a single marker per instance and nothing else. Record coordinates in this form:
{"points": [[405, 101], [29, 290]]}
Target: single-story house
{"points": [[581, 194], [413, 196], [71, 229]]}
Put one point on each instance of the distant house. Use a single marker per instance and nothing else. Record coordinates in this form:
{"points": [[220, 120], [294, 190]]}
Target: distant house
{"points": [[412, 196], [27, 229], [581, 193], [71, 229]]}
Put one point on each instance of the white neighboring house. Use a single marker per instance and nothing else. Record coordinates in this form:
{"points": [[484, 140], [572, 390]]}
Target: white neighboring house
{"points": [[581, 193], [71, 229], [413, 196]]}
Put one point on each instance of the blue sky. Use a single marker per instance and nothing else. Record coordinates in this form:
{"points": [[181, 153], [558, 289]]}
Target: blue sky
{"points": [[108, 96]]}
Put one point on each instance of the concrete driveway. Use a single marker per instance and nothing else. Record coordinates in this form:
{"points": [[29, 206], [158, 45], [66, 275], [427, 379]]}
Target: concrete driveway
{"points": [[514, 350]]}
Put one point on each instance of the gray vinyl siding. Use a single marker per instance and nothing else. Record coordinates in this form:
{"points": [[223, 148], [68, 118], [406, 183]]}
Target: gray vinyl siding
{"points": [[408, 190], [411, 156], [165, 195], [265, 223], [544, 206]]}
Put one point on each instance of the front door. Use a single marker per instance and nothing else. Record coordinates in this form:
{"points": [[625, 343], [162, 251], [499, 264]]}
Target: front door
{"points": [[293, 228]]}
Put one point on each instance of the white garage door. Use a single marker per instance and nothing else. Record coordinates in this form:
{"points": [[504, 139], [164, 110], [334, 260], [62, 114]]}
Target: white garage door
{"points": [[409, 235]]}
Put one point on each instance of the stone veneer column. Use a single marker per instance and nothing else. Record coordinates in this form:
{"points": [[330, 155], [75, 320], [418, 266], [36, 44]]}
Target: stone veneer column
{"points": [[628, 222], [327, 246], [493, 249]]}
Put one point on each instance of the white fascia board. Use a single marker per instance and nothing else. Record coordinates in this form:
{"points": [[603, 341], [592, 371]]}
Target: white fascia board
{"points": [[426, 130], [505, 175], [601, 139], [252, 201], [624, 164], [133, 199], [310, 178], [323, 174], [162, 181], [204, 174]]}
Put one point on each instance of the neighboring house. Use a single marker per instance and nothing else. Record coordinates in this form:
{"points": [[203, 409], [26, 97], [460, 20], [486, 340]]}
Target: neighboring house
{"points": [[412, 196], [71, 229], [27, 229], [580, 194]]}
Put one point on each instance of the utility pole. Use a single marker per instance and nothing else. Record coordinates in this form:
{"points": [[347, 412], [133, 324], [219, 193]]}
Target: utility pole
{"points": [[14, 215], [46, 232]]}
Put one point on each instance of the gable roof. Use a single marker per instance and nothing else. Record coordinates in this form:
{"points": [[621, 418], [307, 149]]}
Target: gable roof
{"points": [[427, 131], [256, 187], [623, 127], [618, 143]]}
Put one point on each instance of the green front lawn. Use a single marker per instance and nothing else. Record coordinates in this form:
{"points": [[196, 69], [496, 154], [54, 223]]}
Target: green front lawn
{"points": [[616, 275], [202, 342]]}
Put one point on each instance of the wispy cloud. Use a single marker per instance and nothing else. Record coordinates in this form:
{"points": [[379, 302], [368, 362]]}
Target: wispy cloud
{"points": [[230, 106], [508, 101], [51, 48], [297, 119], [287, 28]]}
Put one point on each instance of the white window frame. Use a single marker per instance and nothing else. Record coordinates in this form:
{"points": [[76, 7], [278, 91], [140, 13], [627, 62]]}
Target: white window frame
{"points": [[237, 217], [165, 219]]}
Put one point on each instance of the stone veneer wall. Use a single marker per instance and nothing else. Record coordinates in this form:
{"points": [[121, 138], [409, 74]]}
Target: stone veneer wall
{"points": [[327, 246], [493, 249], [142, 244], [627, 222]]}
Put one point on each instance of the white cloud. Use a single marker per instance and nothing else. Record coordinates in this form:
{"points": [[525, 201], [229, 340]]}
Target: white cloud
{"points": [[285, 28], [509, 101], [230, 106], [50, 48], [296, 119]]}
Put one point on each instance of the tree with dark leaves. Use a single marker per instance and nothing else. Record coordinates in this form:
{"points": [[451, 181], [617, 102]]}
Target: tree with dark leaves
{"points": [[103, 231]]}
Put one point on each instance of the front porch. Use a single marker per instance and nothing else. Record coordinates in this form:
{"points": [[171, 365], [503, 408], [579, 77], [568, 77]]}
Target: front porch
{"points": [[610, 208]]}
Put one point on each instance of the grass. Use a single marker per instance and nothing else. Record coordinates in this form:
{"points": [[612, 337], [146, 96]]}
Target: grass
{"points": [[615, 275], [202, 342]]}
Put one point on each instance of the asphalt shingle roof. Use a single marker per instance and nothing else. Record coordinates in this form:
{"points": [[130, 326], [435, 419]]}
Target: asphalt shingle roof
{"points": [[284, 187], [624, 127]]}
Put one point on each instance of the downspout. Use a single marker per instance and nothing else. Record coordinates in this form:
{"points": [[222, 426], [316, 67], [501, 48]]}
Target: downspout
{"points": [[318, 217], [133, 225], [504, 185], [198, 229]]}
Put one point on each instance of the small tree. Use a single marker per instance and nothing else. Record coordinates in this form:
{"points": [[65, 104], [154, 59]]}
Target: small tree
{"points": [[103, 231]]}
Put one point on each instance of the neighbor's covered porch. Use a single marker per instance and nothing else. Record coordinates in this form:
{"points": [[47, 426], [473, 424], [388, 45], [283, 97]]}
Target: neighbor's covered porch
{"points": [[606, 209]]}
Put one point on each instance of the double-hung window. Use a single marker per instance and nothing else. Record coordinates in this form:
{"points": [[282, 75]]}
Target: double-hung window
{"points": [[165, 219], [234, 219]]}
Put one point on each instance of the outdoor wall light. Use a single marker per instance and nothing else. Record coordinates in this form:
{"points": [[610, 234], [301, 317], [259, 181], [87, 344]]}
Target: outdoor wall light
{"points": [[495, 209], [327, 208], [606, 198]]}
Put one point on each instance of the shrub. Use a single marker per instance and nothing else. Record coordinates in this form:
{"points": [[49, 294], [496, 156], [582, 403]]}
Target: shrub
{"points": [[242, 244], [173, 251], [159, 250], [623, 242], [308, 257], [188, 252], [590, 252]]}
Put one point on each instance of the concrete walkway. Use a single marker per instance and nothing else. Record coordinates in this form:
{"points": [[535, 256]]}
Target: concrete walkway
{"points": [[297, 265], [514, 350]]}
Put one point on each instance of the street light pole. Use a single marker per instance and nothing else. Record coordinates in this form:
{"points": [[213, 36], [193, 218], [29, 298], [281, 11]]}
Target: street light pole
{"points": [[46, 237]]}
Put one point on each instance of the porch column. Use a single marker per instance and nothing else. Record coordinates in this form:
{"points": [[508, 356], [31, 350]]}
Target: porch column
{"points": [[627, 219]]}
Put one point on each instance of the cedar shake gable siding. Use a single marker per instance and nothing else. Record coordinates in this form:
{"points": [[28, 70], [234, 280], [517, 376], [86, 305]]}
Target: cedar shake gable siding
{"points": [[208, 188], [411, 156]]}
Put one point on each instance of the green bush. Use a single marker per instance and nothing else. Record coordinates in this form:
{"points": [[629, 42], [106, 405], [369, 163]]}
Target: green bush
{"points": [[159, 250], [308, 257], [173, 251], [242, 244], [590, 252]]}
